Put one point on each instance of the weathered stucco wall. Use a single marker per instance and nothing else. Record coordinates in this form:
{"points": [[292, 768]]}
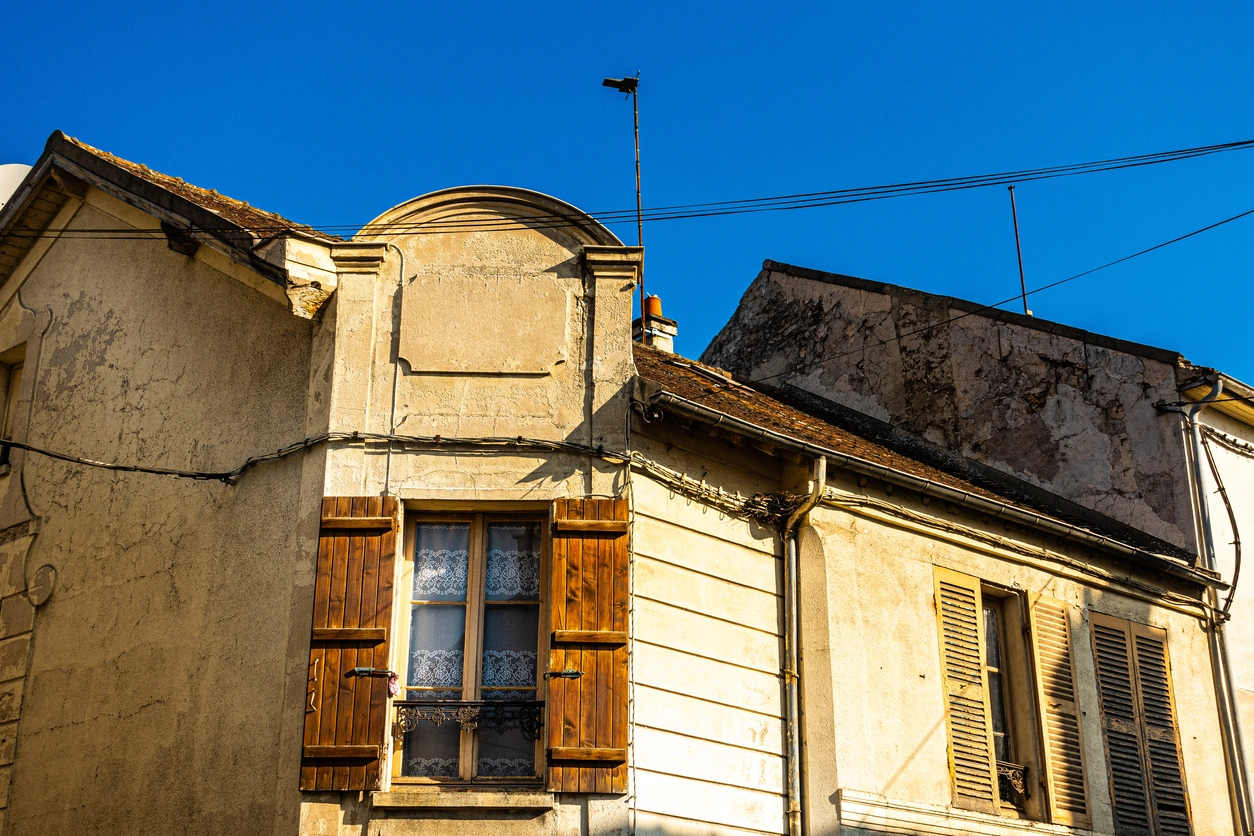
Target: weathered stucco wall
{"points": [[157, 671], [1234, 459], [514, 331], [888, 696], [1069, 414]]}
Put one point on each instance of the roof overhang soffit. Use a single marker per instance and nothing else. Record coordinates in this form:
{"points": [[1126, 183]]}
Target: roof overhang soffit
{"points": [[66, 172]]}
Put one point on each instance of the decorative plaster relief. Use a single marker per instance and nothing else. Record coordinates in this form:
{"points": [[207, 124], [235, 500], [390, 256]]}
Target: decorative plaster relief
{"points": [[483, 321]]}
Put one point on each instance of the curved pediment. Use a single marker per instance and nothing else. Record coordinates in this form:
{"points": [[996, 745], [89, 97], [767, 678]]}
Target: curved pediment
{"points": [[493, 280]]}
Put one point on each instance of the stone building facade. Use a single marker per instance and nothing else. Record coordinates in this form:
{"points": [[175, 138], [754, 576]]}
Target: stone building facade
{"points": [[403, 534]]}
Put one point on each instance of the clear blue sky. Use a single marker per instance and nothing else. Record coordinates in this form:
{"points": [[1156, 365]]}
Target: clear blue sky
{"points": [[329, 115]]}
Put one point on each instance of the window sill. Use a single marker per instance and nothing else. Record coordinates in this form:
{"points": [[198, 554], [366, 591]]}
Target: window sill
{"points": [[465, 799]]}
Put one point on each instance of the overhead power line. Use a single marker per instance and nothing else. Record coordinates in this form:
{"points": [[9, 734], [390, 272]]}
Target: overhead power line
{"points": [[827, 358], [777, 203]]}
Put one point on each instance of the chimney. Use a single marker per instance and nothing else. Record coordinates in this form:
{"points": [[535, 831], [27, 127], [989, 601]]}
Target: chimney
{"points": [[662, 331]]}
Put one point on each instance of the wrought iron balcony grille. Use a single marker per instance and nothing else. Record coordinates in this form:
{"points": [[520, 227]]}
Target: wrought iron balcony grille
{"points": [[525, 715], [1012, 782]]}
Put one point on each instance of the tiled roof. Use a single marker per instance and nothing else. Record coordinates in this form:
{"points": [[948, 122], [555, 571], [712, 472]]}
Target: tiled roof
{"points": [[258, 221], [715, 389], [718, 390]]}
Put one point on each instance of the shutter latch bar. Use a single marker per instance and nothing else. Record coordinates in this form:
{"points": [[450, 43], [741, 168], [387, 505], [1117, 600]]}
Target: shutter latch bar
{"points": [[566, 674], [369, 672]]}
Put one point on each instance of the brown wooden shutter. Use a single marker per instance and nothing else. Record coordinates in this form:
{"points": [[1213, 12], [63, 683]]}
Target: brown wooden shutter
{"points": [[1064, 745], [587, 722], [1138, 714], [972, 765], [346, 714], [1168, 799]]}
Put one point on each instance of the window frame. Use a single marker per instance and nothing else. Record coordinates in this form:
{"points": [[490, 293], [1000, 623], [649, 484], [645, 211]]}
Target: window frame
{"points": [[479, 518]]}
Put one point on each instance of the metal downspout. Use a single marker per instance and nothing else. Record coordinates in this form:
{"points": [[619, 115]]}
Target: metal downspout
{"points": [[792, 641], [1229, 720], [396, 377]]}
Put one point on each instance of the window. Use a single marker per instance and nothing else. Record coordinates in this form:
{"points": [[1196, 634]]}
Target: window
{"points": [[1139, 728], [1000, 746], [474, 624], [473, 640]]}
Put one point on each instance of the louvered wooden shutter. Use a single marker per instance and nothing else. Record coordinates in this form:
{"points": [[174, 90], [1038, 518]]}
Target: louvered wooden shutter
{"points": [[587, 715], [1138, 716], [972, 765], [1064, 747], [346, 712]]}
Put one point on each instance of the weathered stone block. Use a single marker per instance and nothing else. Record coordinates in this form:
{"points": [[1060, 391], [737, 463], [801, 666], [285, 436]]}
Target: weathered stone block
{"points": [[13, 657], [11, 700], [8, 740], [17, 615]]}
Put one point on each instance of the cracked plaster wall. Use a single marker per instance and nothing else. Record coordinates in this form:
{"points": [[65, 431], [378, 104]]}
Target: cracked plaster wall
{"points": [[1068, 416], [157, 674]]}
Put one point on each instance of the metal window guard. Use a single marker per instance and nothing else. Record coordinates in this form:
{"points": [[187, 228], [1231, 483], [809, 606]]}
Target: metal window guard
{"points": [[525, 715], [1011, 781]]}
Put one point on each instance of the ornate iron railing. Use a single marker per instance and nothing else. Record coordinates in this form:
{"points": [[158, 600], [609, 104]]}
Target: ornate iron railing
{"points": [[1012, 782], [528, 715]]}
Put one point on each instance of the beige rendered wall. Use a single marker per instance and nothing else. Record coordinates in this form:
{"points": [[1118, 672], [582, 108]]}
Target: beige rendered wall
{"points": [[1235, 463], [503, 333], [889, 722], [158, 665]]}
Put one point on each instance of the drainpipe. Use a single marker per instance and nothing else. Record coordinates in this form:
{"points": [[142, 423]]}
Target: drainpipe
{"points": [[396, 379], [1229, 720], [792, 641]]}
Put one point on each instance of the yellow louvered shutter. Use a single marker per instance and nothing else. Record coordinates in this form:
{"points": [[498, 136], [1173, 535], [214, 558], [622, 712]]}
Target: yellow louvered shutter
{"points": [[972, 766], [1168, 799], [1064, 748], [1138, 717]]}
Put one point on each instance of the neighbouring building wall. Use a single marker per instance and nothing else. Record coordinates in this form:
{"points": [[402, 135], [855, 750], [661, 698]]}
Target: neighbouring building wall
{"points": [[886, 683], [157, 670], [1061, 409], [707, 696], [1232, 445]]}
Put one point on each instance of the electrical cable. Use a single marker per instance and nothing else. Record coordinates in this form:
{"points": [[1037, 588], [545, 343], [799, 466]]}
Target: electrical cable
{"points": [[433, 442], [1232, 520], [926, 328], [787, 202]]}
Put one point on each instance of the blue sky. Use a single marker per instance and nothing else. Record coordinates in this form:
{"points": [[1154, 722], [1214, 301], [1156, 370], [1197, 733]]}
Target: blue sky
{"points": [[330, 113]]}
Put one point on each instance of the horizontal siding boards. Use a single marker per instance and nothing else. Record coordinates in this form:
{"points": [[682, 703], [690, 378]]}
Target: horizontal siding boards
{"points": [[709, 738], [345, 716], [697, 633], [658, 503], [653, 824], [730, 725], [703, 801], [690, 590], [679, 546], [677, 754], [706, 679], [1056, 683], [587, 724]]}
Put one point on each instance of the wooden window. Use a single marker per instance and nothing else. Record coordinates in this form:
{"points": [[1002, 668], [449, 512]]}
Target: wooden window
{"points": [[972, 762], [1147, 786], [472, 635], [1056, 684], [587, 717], [999, 740], [346, 704]]}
